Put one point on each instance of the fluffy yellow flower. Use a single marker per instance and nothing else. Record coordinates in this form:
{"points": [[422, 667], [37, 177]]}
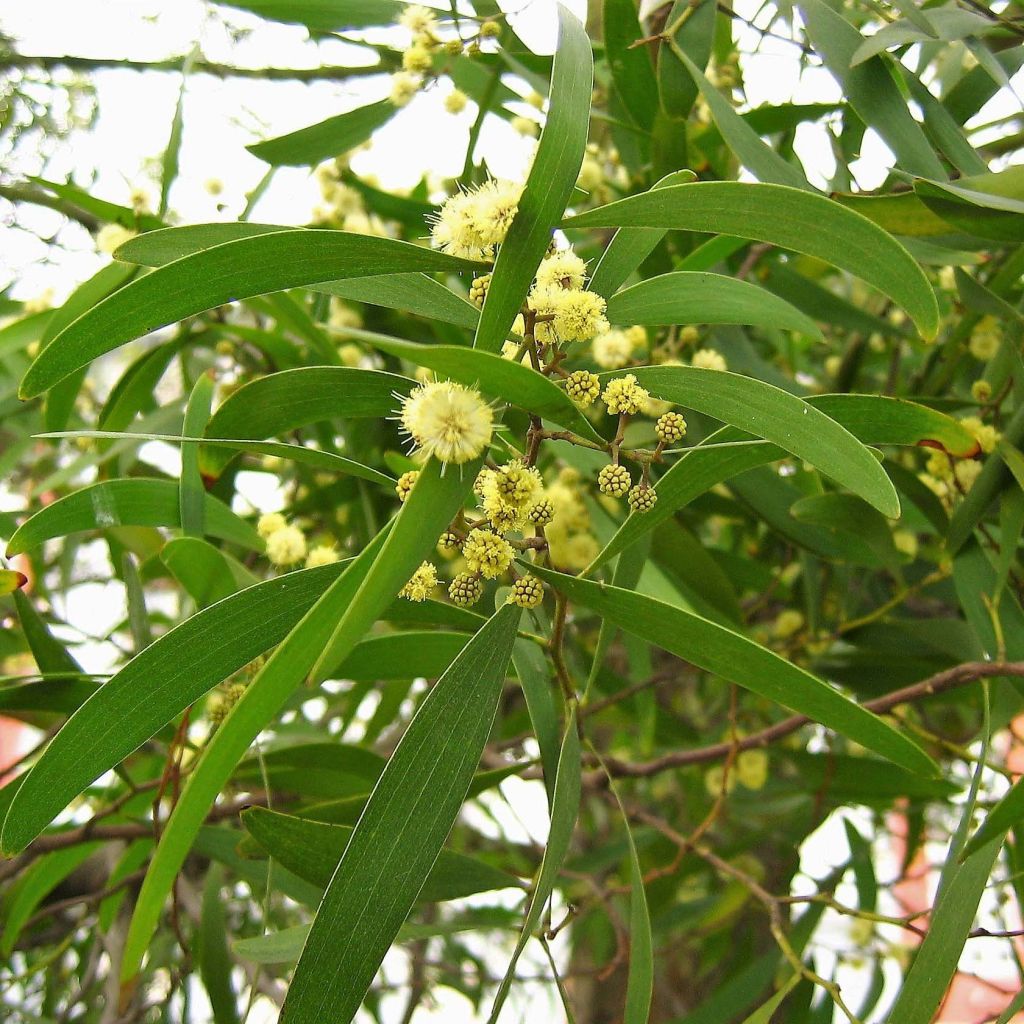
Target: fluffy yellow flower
{"points": [[448, 421], [418, 18], [987, 435], [788, 623], [986, 338], [577, 315], [455, 102], [487, 553], [421, 584], [471, 223], [270, 523], [905, 543], [417, 59], [403, 87], [752, 769], [112, 236], [322, 554], [612, 349], [526, 126], [563, 268], [515, 484], [967, 471], [286, 546], [624, 395], [709, 359]]}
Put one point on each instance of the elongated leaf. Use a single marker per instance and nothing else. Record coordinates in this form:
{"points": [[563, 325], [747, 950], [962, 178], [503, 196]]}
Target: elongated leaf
{"points": [[759, 158], [629, 247], [928, 980], [323, 15], [327, 461], [630, 65], [192, 492], [548, 186], [787, 217], [640, 982], [737, 659], [402, 656], [155, 686], [295, 398], [126, 503], [780, 417], [212, 954], [565, 808], [49, 653], [313, 849], [872, 419], [333, 137], [949, 23], [323, 637], [226, 273], [764, 1013], [401, 831], [870, 89], [698, 298], [207, 573], [496, 377]]}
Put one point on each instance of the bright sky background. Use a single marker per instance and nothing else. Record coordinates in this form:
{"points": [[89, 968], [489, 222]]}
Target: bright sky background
{"points": [[222, 117]]}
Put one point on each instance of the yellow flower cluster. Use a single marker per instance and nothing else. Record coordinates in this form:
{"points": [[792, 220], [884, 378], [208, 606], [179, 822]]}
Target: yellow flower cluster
{"points": [[471, 223], [709, 359], [343, 207], [986, 338], [286, 543], [487, 553], [447, 421], [421, 584]]}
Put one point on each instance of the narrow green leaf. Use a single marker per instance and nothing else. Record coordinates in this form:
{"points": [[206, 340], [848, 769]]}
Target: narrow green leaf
{"points": [[226, 273], [192, 498], [716, 649], [780, 417], [207, 573], [870, 89], [928, 979], [686, 297], [134, 502], [549, 184], [313, 849], [872, 419], [640, 981], [629, 247], [764, 1013], [410, 655], [534, 671], [323, 15], [565, 807], [323, 637], [496, 377], [630, 65], [401, 831], [169, 164], [327, 139], [787, 217], [49, 653], [212, 954], [760, 159], [154, 687]]}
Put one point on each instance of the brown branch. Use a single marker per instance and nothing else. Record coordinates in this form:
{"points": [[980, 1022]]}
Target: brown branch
{"points": [[960, 675]]}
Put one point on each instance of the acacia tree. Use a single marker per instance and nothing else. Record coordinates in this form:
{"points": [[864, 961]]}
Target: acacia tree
{"points": [[708, 530]]}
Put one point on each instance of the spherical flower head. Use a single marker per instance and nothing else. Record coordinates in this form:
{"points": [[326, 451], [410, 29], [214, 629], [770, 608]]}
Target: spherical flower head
{"points": [[581, 316], [986, 435], [448, 543], [582, 387], [536, 100], [541, 513], [490, 30], [286, 546], [940, 465], [465, 589], [938, 487], [525, 126], [709, 359], [487, 553], [563, 268], [623, 395], [403, 87], [670, 428], [787, 624], [752, 769], [270, 523], [967, 472], [421, 584], [570, 510], [947, 279], [213, 186], [527, 592], [417, 59], [417, 18], [981, 391], [905, 542], [614, 481], [113, 236], [478, 290], [480, 483], [612, 349], [471, 223], [986, 338], [405, 484], [515, 484], [493, 208], [448, 421], [716, 781], [689, 335], [642, 498], [503, 518], [455, 102], [575, 551], [222, 701], [591, 176], [833, 364], [322, 554], [637, 335]]}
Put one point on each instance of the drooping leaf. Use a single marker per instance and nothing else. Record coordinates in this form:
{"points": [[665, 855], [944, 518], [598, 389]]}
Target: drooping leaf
{"points": [[323, 15], [401, 831], [789, 218]]}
